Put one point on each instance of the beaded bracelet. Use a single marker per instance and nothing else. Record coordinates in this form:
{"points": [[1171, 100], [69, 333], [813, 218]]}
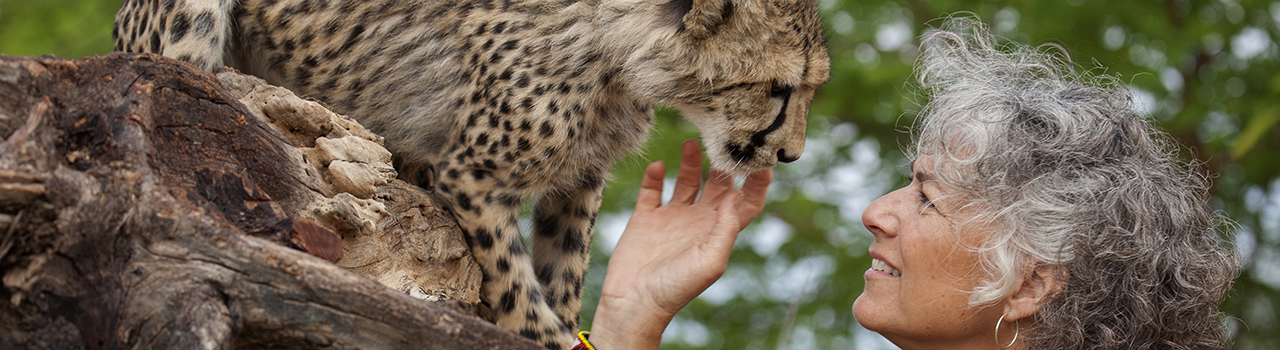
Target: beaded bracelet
{"points": [[583, 344]]}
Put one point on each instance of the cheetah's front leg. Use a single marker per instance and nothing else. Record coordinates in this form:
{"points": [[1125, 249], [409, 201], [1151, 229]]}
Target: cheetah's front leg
{"points": [[562, 228], [195, 31], [509, 285]]}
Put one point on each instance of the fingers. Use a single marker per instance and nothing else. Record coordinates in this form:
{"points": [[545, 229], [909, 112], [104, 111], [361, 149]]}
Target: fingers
{"points": [[650, 196], [690, 176], [717, 185], [725, 231], [754, 189], [757, 184]]}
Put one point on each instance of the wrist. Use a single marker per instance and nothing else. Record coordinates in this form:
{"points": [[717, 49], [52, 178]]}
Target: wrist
{"points": [[622, 323]]}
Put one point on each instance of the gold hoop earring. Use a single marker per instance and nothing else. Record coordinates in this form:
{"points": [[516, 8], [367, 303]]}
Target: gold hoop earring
{"points": [[1017, 328]]}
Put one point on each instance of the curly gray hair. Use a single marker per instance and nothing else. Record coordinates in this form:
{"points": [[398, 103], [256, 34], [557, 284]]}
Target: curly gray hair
{"points": [[1077, 180]]}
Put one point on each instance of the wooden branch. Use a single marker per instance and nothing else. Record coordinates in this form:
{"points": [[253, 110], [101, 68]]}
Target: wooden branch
{"points": [[147, 204]]}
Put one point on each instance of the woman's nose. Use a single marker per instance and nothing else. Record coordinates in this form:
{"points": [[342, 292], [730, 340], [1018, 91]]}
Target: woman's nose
{"points": [[880, 218]]}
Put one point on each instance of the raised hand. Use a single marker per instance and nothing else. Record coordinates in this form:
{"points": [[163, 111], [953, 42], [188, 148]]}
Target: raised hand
{"points": [[671, 253]]}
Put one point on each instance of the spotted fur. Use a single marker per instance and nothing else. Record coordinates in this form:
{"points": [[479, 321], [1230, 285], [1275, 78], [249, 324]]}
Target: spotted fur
{"points": [[507, 100]]}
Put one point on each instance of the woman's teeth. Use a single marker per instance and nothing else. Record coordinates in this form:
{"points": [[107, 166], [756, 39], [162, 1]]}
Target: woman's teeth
{"points": [[878, 265]]}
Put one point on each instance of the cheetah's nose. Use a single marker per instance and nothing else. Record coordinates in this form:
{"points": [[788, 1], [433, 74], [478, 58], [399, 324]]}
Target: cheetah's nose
{"points": [[786, 158]]}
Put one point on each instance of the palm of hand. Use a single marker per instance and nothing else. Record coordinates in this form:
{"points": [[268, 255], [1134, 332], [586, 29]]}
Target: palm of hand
{"points": [[676, 251]]}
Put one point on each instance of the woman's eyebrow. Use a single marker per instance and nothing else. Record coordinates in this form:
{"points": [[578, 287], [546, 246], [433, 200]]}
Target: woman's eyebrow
{"points": [[922, 176], [918, 175]]}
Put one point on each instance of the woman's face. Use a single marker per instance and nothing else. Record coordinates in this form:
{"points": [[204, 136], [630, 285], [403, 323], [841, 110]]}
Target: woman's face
{"points": [[917, 288]]}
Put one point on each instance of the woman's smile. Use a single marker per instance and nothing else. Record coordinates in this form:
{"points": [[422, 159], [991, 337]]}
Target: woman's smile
{"points": [[880, 266]]}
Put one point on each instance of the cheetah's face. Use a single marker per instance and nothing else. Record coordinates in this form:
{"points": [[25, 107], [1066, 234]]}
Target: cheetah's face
{"points": [[747, 78], [751, 126]]}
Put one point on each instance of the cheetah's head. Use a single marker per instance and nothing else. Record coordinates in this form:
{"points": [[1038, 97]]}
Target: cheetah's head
{"points": [[744, 72]]}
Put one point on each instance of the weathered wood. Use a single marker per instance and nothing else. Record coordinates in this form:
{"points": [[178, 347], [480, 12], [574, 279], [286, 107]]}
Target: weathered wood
{"points": [[147, 204]]}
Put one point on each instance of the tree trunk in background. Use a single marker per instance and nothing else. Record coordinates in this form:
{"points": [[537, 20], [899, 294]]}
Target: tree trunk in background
{"points": [[147, 204]]}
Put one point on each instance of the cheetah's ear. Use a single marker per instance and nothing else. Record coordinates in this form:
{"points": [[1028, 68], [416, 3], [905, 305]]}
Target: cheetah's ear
{"points": [[703, 16]]}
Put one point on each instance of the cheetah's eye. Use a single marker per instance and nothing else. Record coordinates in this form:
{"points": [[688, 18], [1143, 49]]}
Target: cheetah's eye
{"points": [[779, 91]]}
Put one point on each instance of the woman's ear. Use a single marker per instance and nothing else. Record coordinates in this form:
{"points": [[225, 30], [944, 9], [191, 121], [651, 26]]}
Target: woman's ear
{"points": [[1041, 283], [705, 15]]}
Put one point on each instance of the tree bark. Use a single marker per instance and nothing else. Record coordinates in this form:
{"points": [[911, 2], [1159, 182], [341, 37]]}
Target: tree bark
{"points": [[147, 204]]}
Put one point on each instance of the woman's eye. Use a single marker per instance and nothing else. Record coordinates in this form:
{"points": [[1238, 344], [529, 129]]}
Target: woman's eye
{"points": [[928, 203]]}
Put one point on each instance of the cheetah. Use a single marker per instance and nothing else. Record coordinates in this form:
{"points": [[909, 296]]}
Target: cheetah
{"points": [[495, 102]]}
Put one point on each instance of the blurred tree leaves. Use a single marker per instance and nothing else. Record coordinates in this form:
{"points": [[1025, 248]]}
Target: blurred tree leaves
{"points": [[64, 28], [1206, 70]]}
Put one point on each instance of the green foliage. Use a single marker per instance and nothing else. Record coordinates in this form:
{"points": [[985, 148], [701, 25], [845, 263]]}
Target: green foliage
{"points": [[64, 28], [1205, 69]]}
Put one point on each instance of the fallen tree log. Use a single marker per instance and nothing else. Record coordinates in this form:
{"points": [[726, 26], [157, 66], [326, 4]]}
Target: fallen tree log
{"points": [[147, 204]]}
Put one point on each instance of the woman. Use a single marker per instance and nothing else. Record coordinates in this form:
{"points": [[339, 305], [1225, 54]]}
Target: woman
{"points": [[1044, 212]]}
